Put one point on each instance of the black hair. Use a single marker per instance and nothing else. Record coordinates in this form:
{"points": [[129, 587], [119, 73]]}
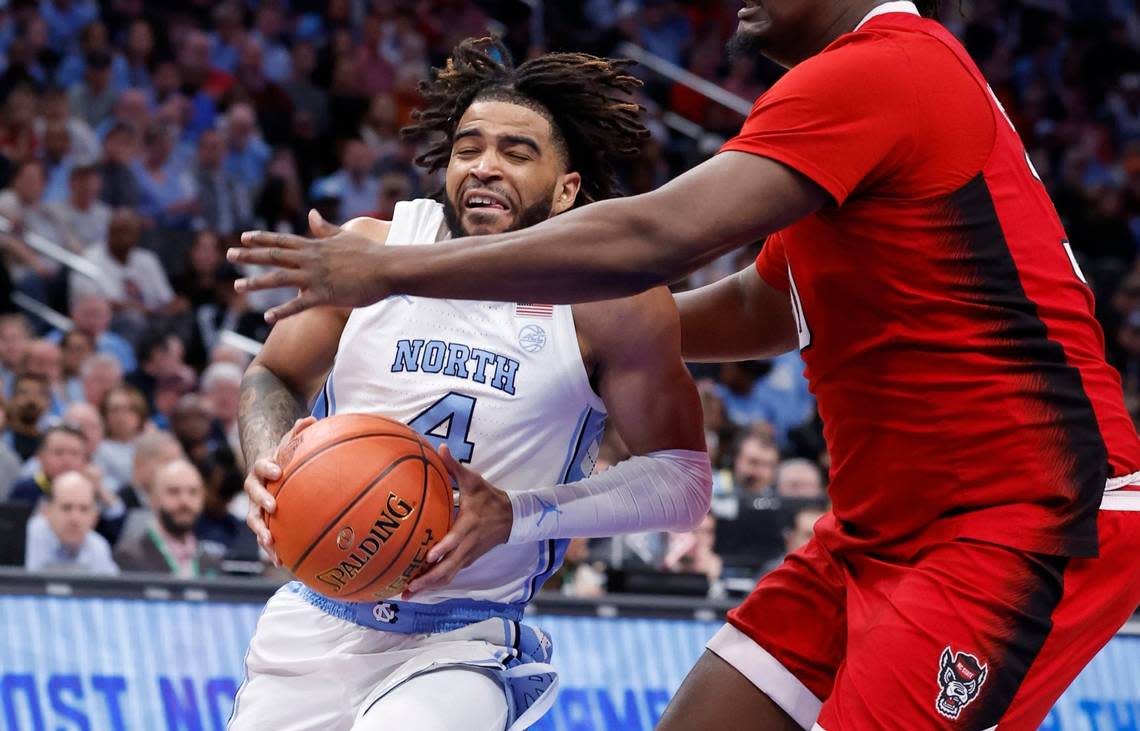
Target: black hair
{"points": [[586, 99]]}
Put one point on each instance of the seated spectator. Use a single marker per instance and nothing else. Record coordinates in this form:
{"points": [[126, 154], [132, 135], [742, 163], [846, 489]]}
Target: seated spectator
{"points": [[799, 479], [75, 348], [579, 576], [219, 525], [753, 474], [225, 202], [62, 535], [93, 98], [120, 188], [23, 204], [193, 425], [99, 374], [692, 552], [55, 106], [83, 218], [133, 279], [124, 413], [58, 162], [153, 450], [169, 544], [246, 153], [63, 449], [798, 533], [15, 333], [221, 387], [9, 460], [169, 192], [353, 184], [159, 357], [91, 315], [43, 359], [772, 391], [31, 399]]}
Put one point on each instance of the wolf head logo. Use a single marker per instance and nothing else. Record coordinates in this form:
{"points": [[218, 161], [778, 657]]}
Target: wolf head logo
{"points": [[960, 675]]}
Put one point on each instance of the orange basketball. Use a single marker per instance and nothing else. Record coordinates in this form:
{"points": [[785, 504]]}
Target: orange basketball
{"points": [[360, 501]]}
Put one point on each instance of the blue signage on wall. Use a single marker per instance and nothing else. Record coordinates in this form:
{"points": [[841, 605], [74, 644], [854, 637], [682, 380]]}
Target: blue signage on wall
{"points": [[121, 664]]}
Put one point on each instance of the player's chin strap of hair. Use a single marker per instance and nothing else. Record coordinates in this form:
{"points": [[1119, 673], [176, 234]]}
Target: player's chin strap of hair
{"points": [[666, 490]]}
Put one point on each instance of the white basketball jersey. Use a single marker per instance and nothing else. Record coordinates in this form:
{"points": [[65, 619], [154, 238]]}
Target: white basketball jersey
{"points": [[502, 384]]}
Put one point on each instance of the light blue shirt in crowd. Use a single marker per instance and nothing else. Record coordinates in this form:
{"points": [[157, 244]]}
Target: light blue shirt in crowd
{"points": [[44, 551]]}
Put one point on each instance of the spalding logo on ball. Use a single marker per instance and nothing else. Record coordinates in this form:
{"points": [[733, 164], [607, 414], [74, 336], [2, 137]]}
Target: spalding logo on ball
{"points": [[360, 500]]}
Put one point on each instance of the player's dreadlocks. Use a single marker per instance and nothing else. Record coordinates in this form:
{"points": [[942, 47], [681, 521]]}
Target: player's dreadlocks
{"points": [[585, 98]]}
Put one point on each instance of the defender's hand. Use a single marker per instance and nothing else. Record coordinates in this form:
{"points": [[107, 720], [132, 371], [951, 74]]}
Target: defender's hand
{"points": [[331, 269], [484, 521], [261, 503]]}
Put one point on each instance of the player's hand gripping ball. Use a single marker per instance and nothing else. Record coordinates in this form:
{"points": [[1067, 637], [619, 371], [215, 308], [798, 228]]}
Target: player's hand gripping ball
{"points": [[360, 501]]}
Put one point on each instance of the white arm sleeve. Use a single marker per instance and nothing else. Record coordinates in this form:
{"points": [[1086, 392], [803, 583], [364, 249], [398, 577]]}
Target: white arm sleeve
{"points": [[666, 490]]}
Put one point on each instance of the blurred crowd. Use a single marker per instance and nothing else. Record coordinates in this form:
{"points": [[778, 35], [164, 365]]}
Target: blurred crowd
{"points": [[137, 140]]}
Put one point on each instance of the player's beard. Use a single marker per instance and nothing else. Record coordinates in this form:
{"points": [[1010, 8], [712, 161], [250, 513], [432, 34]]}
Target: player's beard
{"points": [[744, 46], [536, 213]]}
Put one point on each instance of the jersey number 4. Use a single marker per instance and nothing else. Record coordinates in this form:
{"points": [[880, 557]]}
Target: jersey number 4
{"points": [[448, 421]]}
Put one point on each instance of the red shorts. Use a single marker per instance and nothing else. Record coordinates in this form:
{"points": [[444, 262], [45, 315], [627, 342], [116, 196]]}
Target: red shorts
{"points": [[966, 635]]}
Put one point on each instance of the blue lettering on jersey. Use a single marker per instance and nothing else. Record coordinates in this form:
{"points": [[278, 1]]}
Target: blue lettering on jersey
{"points": [[458, 361]]}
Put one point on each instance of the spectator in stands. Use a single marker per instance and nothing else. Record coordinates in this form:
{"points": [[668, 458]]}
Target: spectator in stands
{"points": [[62, 536], [132, 108], [159, 355], [169, 190], [753, 473], [246, 153], [93, 98], [152, 450], [75, 348], [91, 315], [220, 524], [99, 374], [273, 105], [120, 188], [55, 106], [228, 35], [58, 161], [358, 190], [225, 203], [86, 419], [579, 576], [66, 20], [269, 26], [692, 552], [773, 391], [799, 479], [798, 533], [139, 53], [14, 337], [22, 203], [133, 279], [81, 216], [9, 460], [169, 545], [124, 413], [42, 359], [395, 186], [221, 386], [62, 449], [192, 423], [305, 95]]}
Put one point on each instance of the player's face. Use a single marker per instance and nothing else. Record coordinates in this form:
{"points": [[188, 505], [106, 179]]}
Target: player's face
{"points": [[505, 172], [786, 31]]}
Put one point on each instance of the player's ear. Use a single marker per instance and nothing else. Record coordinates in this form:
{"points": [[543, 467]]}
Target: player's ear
{"points": [[566, 192]]}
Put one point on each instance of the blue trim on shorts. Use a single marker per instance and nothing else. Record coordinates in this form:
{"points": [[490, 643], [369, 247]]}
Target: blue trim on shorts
{"points": [[410, 618]]}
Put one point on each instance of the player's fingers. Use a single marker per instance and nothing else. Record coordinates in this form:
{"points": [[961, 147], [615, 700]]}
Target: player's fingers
{"points": [[266, 470], [258, 494], [437, 576], [255, 519], [301, 424], [319, 225], [445, 546], [459, 473], [272, 239], [290, 278], [300, 303]]}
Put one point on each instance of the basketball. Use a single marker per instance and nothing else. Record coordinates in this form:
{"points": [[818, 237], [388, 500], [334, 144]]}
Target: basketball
{"points": [[360, 501]]}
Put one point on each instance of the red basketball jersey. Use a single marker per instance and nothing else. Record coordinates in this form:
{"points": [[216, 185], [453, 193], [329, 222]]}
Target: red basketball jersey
{"points": [[947, 330]]}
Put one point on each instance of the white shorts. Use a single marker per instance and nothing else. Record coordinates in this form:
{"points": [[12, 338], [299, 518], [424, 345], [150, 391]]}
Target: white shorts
{"points": [[309, 671]]}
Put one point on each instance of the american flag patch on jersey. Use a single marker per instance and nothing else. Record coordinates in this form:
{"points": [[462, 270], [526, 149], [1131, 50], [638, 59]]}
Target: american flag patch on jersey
{"points": [[529, 310]]}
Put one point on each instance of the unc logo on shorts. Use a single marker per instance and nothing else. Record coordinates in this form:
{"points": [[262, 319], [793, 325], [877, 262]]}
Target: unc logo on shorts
{"points": [[532, 338], [960, 675], [386, 612]]}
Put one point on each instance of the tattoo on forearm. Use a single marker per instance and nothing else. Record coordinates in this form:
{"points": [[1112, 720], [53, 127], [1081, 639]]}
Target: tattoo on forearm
{"points": [[266, 411]]}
